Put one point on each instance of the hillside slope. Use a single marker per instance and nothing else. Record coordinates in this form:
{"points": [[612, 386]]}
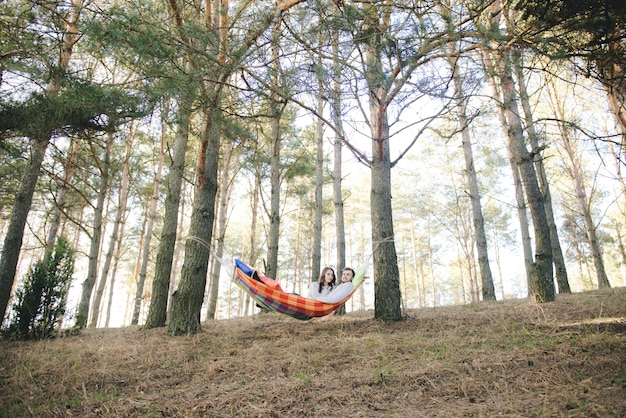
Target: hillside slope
{"points": [[514, 358]]}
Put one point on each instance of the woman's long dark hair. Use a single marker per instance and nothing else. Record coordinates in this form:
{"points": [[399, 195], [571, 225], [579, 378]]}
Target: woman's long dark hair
{"points": [[321, 279]]}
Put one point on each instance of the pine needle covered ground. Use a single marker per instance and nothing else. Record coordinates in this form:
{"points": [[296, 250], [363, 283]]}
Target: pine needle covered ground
{"points": [[514, 358]]}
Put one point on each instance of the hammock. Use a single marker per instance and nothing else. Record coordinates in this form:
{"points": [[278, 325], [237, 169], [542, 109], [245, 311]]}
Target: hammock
{"points": [[268, 294]]}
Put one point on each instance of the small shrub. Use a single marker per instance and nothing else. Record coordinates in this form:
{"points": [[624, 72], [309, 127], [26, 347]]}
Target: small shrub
{"points": [[40, 303]]}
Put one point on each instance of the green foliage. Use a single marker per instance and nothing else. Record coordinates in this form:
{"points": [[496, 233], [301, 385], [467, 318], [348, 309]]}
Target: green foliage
{"points": [[80, 106], [12, 160], [598, 18], [136, 39], [595, 29], [41, 301]]}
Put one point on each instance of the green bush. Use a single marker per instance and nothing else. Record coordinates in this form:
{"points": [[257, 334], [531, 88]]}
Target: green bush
{"points": [[40, 303]]}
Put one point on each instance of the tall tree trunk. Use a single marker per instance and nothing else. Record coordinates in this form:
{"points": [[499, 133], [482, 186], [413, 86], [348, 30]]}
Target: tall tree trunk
{"points": [[431, 262], [157, 314], [23, 199], [542, 273], [417, 263], [619, 111], [187, 299], [252, 257], [179, 250], [274, 213], [319, 185], [620, 242], [584, 203], [362, 251], [615, 157], [488, 291], [387, 277], [116, 263], [229, 166], [557, 253], [96, 238], [19, 213], [140, 247], [337, 118], [152, 211], [613, 76], [522, 213], [61, 198], [252, 250], [618, 172], [387, 297], [590, 227], [119, 218], [276, 109], [297, 262], [542, 267]]}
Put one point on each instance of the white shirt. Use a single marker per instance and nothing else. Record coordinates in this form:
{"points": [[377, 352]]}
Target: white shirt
{"points": [[330, 296], [314, 292], [338, 293]]}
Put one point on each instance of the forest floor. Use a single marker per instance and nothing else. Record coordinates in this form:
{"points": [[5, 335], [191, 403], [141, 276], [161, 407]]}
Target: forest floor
{"points": [[514, 359]]}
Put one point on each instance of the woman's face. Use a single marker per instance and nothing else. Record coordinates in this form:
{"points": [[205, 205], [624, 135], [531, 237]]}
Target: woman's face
{"points": [[329, 276]]}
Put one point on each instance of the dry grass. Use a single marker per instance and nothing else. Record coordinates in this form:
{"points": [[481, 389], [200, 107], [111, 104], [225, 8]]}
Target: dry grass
{"points": [[515, 358]]}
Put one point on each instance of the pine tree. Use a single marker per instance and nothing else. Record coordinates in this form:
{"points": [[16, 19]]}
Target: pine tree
{"points": [[40, 303]]}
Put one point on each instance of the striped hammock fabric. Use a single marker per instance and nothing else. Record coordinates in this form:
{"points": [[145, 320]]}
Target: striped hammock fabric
{"points": [[268, 294]]}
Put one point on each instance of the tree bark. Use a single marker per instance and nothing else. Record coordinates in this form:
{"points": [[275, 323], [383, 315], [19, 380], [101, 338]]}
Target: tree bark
{"points": [[157, 313], [616, 101], [583, 201], [336, 116], [152, 211], [276, 109], [319, 187], [96, 238], [187, 299], [252, 254], [229, 166], [297, 246], [387, 297], [557, 253], [522, 213], [613, 77], [117, 223], [116, 262], [387, 277], [488, 291], [542, 272], [61, 198]]}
